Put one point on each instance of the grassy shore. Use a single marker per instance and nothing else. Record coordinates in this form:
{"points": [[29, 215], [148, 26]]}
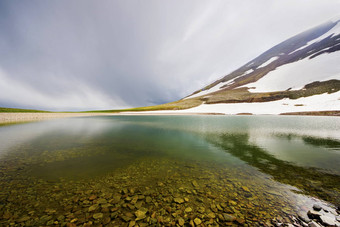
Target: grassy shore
{"points": [[16, 110]]}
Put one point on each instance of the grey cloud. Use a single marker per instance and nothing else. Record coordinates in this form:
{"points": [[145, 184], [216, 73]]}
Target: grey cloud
{"points": [[78, 54]]}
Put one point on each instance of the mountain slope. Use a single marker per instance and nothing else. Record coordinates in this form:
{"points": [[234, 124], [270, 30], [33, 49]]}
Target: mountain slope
{"points": [[301, 67]]}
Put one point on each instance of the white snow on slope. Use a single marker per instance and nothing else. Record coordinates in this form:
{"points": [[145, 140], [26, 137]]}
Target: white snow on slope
{"points": [[245, 73], [218, 86], [268, 62], [320, 102], [333, 32], [297, 74]]}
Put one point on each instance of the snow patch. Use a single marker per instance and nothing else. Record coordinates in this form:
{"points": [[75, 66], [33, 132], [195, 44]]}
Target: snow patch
{"points": [[247, 72], [218, 86], [333, 32], [268, 62], [297, 74], [320, 102]]}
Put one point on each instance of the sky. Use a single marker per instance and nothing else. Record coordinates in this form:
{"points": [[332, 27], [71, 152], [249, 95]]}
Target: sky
{"points": [[84, 55]]}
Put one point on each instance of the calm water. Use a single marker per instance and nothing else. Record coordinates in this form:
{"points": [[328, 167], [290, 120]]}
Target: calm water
{"points": [[163, 170]]}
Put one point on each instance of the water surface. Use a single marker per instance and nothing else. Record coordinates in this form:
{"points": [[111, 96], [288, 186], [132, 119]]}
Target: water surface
{"points": [[166, 169]]}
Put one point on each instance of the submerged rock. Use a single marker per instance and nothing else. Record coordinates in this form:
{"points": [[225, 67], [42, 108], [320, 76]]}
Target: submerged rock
{"points": [[197, 221], [188, 210], [246, 189], [93, 208], [195, 184], [303, 217], [178, 200], [24, 218], [141, 213], [317, 207], [101, 201], [181, 222], [98, 215], [228, 218], [328, 220], [313, 224], [314, 214]]}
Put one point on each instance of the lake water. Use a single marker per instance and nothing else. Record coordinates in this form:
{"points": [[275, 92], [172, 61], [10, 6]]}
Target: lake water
{"points": [[167, 170]]}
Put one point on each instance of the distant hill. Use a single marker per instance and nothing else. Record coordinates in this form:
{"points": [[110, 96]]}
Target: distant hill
{"points": [[305, 67]]}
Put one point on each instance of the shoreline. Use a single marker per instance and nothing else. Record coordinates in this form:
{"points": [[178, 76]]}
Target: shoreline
{"points": [[8, 118], [19, 117]]}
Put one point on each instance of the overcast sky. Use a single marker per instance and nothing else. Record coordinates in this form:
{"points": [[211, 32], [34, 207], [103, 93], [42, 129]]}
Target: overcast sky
{"points": [[81, 55]]}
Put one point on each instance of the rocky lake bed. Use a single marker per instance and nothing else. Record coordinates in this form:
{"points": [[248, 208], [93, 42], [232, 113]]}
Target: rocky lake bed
{"points": [[92, 183]]}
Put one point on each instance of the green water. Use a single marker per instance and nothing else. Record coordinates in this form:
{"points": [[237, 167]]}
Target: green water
{"points": [[162, 170]]}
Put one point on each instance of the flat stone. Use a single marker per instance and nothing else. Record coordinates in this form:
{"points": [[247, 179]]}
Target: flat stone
{"points": [[179, 200], [211, 215], [98, 215], [197, 221], [23, 219], [240, 221], [132, 223], [195, 184], [314, 224], [106, 220], [141, 214], [188, 209], [181, 222], [61, 218], [232, 203], [116, 198], [303, 217], [101, 201], [126, 218], [327, 220], [50, 222], [93, 207], [313, 214], [201, 210], [219, 207], [246, 189], [317, 207], [148, 199], [92, 197], [45, 218], [228, 217]]}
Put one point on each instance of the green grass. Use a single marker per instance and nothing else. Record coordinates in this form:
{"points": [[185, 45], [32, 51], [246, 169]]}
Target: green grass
{"points": [[240, 95], [16, 110], [178, 105]]}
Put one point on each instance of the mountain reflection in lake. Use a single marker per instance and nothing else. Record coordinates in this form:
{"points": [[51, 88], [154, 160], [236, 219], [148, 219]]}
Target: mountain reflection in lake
{"points": [[163, 170]]}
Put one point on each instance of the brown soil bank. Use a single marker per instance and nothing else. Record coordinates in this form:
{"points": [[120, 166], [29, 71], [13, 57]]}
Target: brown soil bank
{"points": [[315, 113]]}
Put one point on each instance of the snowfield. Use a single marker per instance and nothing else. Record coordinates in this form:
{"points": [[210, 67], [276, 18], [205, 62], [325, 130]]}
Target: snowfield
{"points": [[297, 74], [218, 86], [322, 102], [268, 62]]}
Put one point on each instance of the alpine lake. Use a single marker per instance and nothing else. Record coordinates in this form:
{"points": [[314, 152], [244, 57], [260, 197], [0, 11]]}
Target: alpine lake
{"points": [[168, 170]]}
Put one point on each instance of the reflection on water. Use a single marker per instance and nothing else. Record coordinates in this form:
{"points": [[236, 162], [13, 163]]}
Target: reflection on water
{"points": [[312, 181], [167, 169]]}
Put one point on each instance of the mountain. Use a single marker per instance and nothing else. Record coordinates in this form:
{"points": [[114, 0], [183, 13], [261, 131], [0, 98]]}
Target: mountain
{"points": [[298, 75]]}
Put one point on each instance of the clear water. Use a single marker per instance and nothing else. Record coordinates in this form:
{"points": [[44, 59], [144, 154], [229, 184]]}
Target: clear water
{"points": [[254, 168]]}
